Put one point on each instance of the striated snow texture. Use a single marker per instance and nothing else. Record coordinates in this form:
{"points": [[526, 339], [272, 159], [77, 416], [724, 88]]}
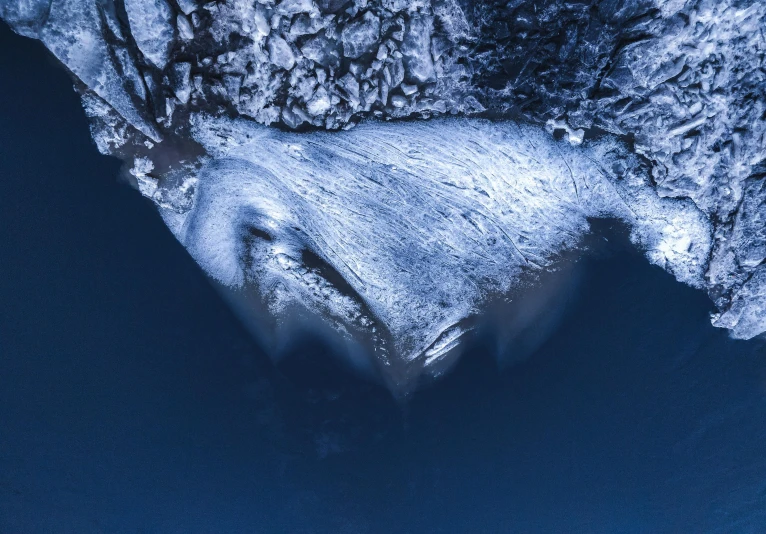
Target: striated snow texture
{"points": [[266, 133]]}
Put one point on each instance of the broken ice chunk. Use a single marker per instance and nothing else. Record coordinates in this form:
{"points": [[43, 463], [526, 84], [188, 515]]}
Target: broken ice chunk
{"points": [[356, 69], [331, 6], [290, 119], [397, 72], [350, 88], [147, 185], [398, 101], [370, 93], [185, 30], [322, 50], [440, 106], [26, 18], [304, 88], [280, 53], [233, 84], [417, 49], [306, 24], [130, 72], [574, 136], [360, 36], [109, 14], [89, 58], [408, 89], [383, 91], [319, 103], [395, 6], [180, 80], [293, 7], [187, 6], [151, 23], [261, 20]]}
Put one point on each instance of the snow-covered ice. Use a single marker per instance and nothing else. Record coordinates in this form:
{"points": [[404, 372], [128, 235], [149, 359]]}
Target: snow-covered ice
{"points": [[397, 233]]}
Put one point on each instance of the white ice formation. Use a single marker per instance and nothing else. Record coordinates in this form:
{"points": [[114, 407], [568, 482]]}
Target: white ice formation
{"points": [[267, 134]]}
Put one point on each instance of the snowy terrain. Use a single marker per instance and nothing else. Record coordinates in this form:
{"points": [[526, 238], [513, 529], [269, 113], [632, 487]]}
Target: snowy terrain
{"points": [[269, 134]]}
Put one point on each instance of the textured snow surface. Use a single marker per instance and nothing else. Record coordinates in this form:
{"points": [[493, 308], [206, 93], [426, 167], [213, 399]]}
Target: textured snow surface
{"points": [[650, 111]]}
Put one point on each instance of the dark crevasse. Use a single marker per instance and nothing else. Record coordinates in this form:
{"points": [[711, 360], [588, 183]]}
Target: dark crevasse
{"points": [[131, 399]]}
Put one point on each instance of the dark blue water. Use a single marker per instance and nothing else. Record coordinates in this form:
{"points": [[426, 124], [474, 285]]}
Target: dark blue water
{"points": [[132, 401]]}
